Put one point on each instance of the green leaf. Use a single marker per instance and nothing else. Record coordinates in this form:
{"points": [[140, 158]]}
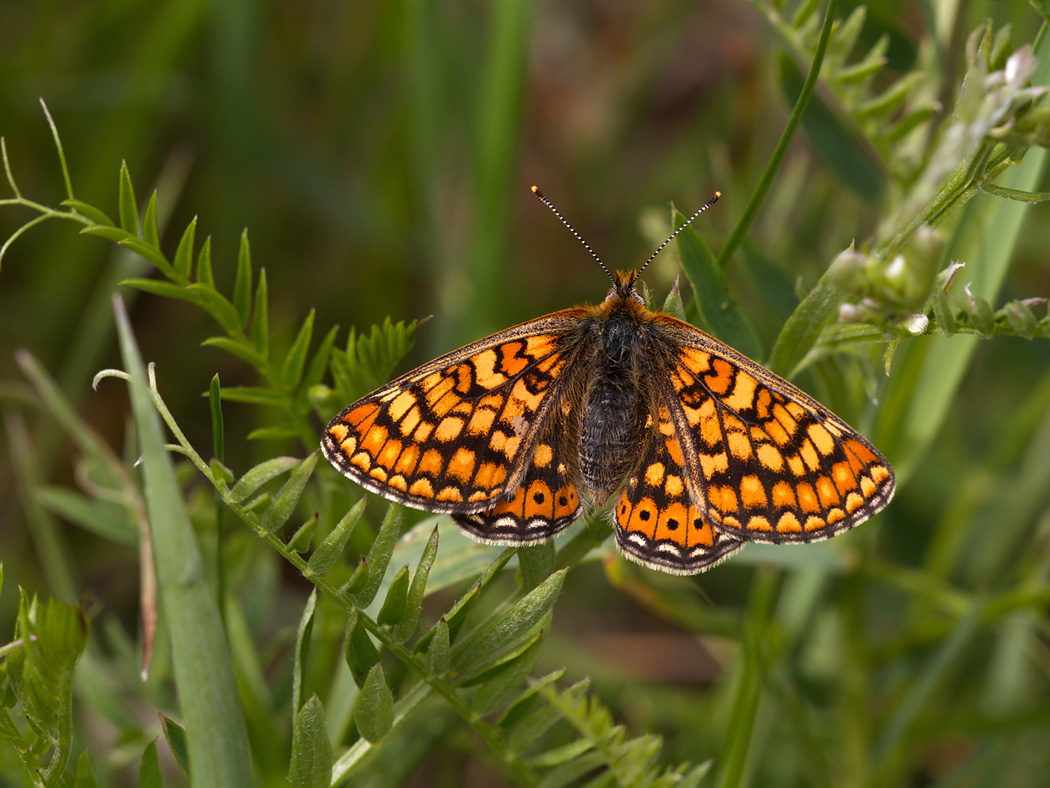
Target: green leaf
{"points": [[128, 210], [361, 654], [498, 684], [527, 699], [802, 330], [292, 368], [242, 284], [301, 653], [255, 395], [537, 562], [239, 347], [217, 306], [287, 497], [718, 312], [311, 765], [85, 774], [406, 628], [150, 231], [204, 273], [183, 262], [257, 476], [215, 408], [204, 678], [439, 655], [393, 609], [107, 231], [88, 211], [103, 518], [260, 319], [149, 768], [328, 552], [506, 629], [300, 541], [150, 253], [319, 363], [379, 555], [175, 735], [374, 710], [277, 432]]}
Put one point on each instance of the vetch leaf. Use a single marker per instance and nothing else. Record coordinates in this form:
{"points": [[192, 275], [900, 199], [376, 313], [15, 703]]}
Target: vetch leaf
{"points": [[302, 651], [204, 273], [292, 368], [150, 231], [257, 476], [288, 496], [89, 211], [374, 710], [439, 659], [242, 284], [393, 609], [319, 363], [502, 683], [215, 408], [406, 628], [176, 738], [311, 765], [261, 319], [183, 262], [128, 210], [328, 552], [149, 768], [361, 654], [379, 554]]}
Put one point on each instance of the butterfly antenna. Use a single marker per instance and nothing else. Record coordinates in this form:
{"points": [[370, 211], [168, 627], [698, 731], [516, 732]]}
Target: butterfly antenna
{"points": [[704, 207], [587, 246]]}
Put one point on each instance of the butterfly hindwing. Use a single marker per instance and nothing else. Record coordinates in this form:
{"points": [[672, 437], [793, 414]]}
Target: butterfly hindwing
{"points": [[457, 434], [658, 523], [772, 463]]}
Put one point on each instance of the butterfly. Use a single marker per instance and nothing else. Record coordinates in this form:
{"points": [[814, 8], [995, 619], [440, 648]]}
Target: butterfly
{"points": [[705, 449]]}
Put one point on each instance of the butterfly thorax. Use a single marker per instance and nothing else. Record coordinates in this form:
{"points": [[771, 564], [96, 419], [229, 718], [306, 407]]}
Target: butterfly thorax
{"points": [[614, 408]]}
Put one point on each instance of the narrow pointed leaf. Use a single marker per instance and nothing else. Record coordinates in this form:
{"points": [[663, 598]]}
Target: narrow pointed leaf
{"points": [[129, 212], [175, 735], [204, 273], [374, 710], [256, 477], [302, 652], [406, 628], [150, 253], [85, 774], [319, 363], [149, 768], [328, 552], [150, 231], [89, 211], [261, 318], [379, 555], [183, 262], [288, 496], [311, 765], [393, 609], [360, 653], [439, 659], [502, 684], [215, 407], [292, 368], [242, 284]]}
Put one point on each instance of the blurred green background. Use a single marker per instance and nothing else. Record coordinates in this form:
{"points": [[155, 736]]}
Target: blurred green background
{"points": [[380, 155]]}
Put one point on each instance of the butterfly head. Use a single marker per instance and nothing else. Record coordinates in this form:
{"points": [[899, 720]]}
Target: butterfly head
{"points": [[623, 286]]}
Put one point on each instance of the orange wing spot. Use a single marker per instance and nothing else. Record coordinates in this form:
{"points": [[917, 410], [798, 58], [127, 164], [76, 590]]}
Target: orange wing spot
{"points": [[784, 496], [826, 491], [781, 414], [449, 428], [809, 455], [538, 501], [710, 429], [759, 523], [338, 431], [409, 422], [444, 386], [674, 450], [854, 502], [529, 401], [516, 505], [762, 403], [752, 493], [462, 464], [743, 396], [490, 475], [796, 410], [401, 404], [666, 426], [775, 430], [349, 446], [671, 524], [728, 499], [373, 440], [462, 408], [770, 457], [397, 481], [696, 361], [543, 455], [511, 361], [739, 445], [421, 488], [843, 476], [814, 524], [860, 455], [565, 501], [379, 474], [654, 474], [644, 517], [720, 382], [538, 346], [362, 460], [702, 532], [431, 463], [422, 433], [710, 464], [480, 495], [796, 466], [789, 524], [879, 473], [821, 438], [833, 428], [673, 486], [731, 522], [406, 463], [481, 421], [357, 416], [485, 369], [388, 456], [867, 487], [807, 497], [450, 495], [835, 515]]}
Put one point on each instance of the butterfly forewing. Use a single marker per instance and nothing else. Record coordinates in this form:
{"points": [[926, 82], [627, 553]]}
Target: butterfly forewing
{"points": [[457, 434], [771, 463]]}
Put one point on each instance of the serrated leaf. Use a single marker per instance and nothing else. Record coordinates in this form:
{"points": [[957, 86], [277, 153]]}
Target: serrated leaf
{"points": [[150, 231], [360, 653], [295, 360], [149, 767], [311, 763], [204, 273], [242, 284], [374, 709], [406, 628], [379, 555], [183, 262], [328, 552], [88, 211], [261, 319], [257, 476], [288, 496], [396, 600], [128, 210]]}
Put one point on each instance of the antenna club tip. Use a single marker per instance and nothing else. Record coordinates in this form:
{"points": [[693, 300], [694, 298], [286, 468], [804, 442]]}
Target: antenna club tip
{"points": [[534, 189], [718, 195]]}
